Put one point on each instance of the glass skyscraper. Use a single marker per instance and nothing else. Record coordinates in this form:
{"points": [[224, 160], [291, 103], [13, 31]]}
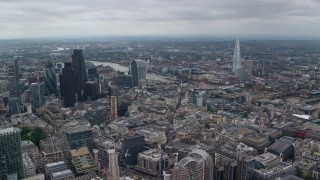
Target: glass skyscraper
{"points": [[50, 79], [13, 80], [37, 90], [79, 72], [67, 86], [138, 70], [10, 153]]}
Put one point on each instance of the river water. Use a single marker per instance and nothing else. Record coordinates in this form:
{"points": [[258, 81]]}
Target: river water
{"points": [[119, 67]]}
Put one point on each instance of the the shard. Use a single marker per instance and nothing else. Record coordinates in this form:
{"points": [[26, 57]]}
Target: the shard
{"points": [[236, 66]]}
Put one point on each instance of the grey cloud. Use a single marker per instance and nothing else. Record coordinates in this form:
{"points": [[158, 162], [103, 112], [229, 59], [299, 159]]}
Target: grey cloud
{"points": [[154, 16]]}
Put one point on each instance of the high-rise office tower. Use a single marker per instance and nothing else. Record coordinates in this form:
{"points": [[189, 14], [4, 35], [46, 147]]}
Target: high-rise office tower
{"points": [[37, 90], [14, 105], [90, 91], [79, 72], [138, 70], [236, 66], [248, 66], [113, 168], [13, 80], [50, 79], [133, 145], [67, 86], [114, 108], [93, 74], [10, 153]]}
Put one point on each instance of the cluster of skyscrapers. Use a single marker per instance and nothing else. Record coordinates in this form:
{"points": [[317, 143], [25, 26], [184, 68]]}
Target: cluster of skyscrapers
{"points": [[73, 79]]}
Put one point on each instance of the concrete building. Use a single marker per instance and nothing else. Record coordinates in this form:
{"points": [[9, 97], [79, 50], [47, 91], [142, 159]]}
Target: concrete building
{"points": [[53, 115], [113, 169], [306, 164], [10, 153], [39, 176], [103, 152], [54, 167], [231, 160], [29, 168], [27, 147], [52, 148], [188, 168], [114, 107], [283, 148], [152, 162], [82, 161], [79, 134], [198, 165], [316, 172], [278, 170], [62, 175]]}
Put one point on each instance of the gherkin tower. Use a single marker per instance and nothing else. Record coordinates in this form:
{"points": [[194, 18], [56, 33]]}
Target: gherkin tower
{"points": [[50, 79]]}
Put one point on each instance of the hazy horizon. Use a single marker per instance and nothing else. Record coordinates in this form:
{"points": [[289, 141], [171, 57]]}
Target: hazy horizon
{"points": [[168, 37]]}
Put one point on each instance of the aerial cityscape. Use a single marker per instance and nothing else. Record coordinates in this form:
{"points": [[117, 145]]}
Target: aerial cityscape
{"points": [[159, 90]]}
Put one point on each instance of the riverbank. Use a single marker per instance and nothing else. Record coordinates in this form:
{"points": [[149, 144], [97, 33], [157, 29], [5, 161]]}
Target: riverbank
{"points": [[121, 68]]}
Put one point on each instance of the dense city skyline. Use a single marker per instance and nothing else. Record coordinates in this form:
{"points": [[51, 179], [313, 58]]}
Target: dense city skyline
{"points": [[159, 89], [170, 109], [33, 19]]}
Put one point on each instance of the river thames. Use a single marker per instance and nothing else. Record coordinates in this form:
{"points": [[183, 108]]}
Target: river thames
{"points": [[119, 67]]}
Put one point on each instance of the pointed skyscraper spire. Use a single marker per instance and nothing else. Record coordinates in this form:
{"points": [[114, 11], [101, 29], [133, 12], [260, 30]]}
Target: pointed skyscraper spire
{"points": [[236, 57]]}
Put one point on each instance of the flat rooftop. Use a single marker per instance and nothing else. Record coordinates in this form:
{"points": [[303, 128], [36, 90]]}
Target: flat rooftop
{"points": [[266, 158], [10, 130]]}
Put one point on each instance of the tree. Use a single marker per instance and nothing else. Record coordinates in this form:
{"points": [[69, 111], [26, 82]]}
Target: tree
{"points": [[299, 172], [25, 131], [35, 136], [308, 177]]}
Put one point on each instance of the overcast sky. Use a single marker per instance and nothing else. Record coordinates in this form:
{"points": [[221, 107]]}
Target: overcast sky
{"points": [[52, 18]]}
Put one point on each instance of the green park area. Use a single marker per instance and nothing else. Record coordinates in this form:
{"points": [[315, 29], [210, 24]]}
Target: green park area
{"points": [[34, 135]]}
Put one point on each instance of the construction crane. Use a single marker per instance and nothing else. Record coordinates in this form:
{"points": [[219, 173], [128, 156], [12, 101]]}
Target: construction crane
{"points": [[125, 161]]}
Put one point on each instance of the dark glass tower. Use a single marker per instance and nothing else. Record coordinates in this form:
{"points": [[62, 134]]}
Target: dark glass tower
{"points": [[50, 79], [90, 91], [134, 144], [67, 88], [13, 78], [138, 70], [79, 72]]}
